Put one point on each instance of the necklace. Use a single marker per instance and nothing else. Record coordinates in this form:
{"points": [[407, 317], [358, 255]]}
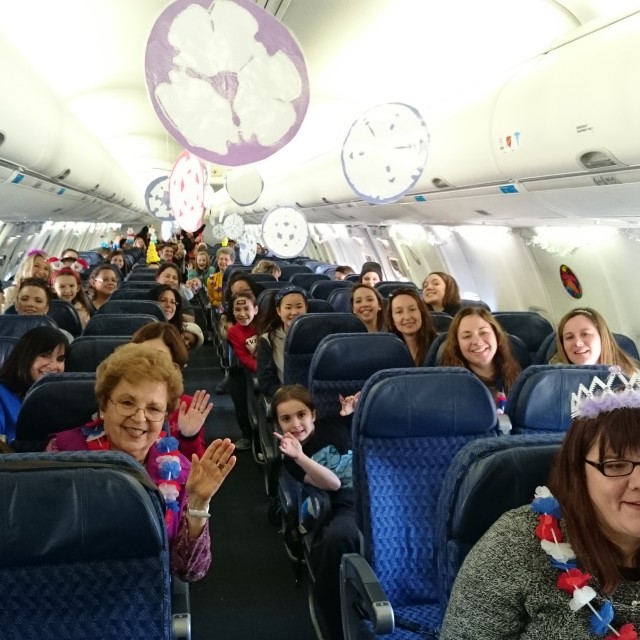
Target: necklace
{"points": [[572, 579]]}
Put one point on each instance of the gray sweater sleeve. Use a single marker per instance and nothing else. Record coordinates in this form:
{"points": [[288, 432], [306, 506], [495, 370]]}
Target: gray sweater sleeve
{"points": [[487, 600]]}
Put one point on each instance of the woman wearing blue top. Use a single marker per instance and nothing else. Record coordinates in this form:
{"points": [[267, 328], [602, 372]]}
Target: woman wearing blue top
{"points": [[39, 351]]}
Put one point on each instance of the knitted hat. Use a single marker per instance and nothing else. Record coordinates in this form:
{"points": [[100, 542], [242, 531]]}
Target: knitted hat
{"points": [[192, 327], [367, 267], [152, 254]]}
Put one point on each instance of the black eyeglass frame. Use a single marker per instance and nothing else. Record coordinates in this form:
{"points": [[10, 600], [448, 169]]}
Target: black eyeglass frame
{"points": [[600, 466]]}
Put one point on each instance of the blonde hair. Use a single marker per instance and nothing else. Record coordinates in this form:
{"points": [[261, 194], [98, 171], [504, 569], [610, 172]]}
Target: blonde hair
{"points": [[135, 363]]}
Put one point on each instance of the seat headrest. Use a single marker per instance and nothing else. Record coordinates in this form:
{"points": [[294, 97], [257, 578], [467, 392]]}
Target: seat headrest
{"points": [[530, 327], [356, 356], [77, 507], [540, 398], [307, 331], [402, 403]]}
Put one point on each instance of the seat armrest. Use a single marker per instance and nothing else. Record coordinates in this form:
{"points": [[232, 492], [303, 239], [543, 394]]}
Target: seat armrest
{"points": [[362, 594], [504, 424], [180, 610]]}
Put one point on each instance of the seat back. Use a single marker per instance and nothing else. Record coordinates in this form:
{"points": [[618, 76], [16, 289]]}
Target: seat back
{"points": [[474, 303], [441, 321], [6, 347], [343, 362], [305, 280], [386, 288], [57, 402], [540, 399], [116, 324], [322, 288], [137, 285], [142, 275], [407, 427], [287, 270], [14, 325], [87, 352], [261, 277], [137, 307], [530, 327], [485, 479], [65, 316], [340, 299], [318, 306], [97, 563], [136, 293], [305, 335]]}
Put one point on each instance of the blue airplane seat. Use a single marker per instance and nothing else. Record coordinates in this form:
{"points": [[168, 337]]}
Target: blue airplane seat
{"points": [[304, 336], [95, 561], [441, 320], [530, 327], [322, 288], [318, 306], [145, 285], [261, 277], [387, 287], [340, 299], [56, 402], [474, 303], [6, 347], [352, 277], [540, 399], [287, 270], [116, 324], [140, 306], [136, 293], [486, 478], [65, 316], [305, 280], [15, 325], [408, 426], [343, 362], [87, 352]]}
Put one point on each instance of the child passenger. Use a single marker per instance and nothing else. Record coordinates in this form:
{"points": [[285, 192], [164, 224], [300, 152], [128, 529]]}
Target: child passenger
{"points": [[321, 456], [243, 338]]}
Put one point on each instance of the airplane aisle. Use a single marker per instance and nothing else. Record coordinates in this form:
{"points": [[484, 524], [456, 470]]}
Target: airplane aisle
{"points": [[250, 590]]}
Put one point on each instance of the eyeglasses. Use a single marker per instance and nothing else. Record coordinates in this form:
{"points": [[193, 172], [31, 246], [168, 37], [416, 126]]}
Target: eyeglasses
{"points": [[614, 468], [127, 408]]}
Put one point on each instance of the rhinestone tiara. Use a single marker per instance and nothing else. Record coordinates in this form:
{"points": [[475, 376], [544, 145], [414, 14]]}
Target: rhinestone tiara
{"points": [[616, 392]]}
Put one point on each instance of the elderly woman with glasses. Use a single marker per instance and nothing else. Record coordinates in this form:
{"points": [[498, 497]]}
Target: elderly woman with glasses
{"points": [[137, 386]]}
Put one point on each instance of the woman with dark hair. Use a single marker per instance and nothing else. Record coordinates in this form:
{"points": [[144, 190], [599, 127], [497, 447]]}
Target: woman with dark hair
{"points": [[186, 423], [284, 307], [103, 281], [477, 342], [169, 273], [408, 318], [366, 304], [117, 260], [33, 297], [371, 273], [566, 565], [170, 301], [583, 337], [441, 292], [39, 351]]}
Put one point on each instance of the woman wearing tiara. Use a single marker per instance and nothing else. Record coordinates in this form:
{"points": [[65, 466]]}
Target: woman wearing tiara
{"points": [[584, 338], [568, 564]]}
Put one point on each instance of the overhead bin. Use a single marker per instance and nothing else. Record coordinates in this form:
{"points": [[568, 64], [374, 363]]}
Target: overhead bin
{"points": [[39, 134], [573, 109]]}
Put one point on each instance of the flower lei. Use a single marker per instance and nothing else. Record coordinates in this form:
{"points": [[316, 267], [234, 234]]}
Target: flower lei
{"points": [[572, 580], [169, 466]]}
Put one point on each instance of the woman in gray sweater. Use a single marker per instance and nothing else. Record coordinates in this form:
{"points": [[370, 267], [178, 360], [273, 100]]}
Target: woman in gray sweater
{"points": [[568, 565]]}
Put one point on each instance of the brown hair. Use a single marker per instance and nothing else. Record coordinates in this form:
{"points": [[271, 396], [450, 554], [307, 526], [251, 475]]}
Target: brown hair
{"points": [[427, 332], [266, 266], [169, 335], [611, 353], [505, 365], [451, 296], [291, 392], [616, 433], [137, 363], [380, 315]]}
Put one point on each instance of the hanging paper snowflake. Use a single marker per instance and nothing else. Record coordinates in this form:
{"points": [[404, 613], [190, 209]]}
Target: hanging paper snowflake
{"points": [[285, 231]]}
